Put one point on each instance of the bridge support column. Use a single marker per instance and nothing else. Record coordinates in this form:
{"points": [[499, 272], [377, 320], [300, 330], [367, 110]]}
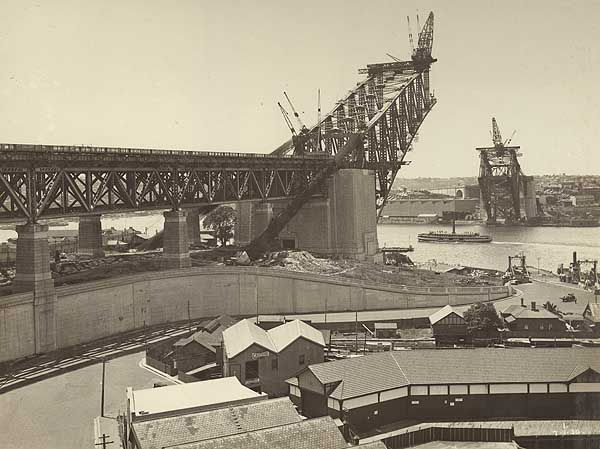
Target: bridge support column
{"points": [[33, 275], [193, 225], [176, 252], [90, 235], [344, 224]]}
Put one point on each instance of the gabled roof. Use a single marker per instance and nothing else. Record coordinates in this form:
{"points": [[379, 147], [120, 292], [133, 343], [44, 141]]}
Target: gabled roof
{"points": [[242, 335], [195, 427], [223, 321], [203, 338], [594, 312], [314, 433], [580, 369], [443, 313], [388, 370], [284, 335]]}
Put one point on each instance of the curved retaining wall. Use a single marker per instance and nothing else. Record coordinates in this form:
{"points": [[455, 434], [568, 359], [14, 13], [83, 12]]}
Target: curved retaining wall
{"points": [[93, 310]]}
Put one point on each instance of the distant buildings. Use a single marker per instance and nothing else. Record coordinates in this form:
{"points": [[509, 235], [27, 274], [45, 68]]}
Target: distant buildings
{"points": [[452, 384], [264, 359]]}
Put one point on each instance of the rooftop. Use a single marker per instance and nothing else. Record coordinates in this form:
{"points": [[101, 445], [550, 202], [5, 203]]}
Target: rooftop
{"points": [[319, 433], [188, 396], [518, 311], [209, 341], [594, 312], [443, 313], [244, 334], [359, 376], [191, 428]]}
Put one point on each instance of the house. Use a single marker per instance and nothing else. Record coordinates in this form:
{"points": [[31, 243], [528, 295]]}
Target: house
{"points": [[532, 321], [591, 314], [452, 384], [449, 327], [195, 351], [385, 330], [263, 359]]}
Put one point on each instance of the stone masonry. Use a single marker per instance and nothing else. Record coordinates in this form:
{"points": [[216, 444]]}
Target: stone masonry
{"points": [[176, 252], [90, 236]]}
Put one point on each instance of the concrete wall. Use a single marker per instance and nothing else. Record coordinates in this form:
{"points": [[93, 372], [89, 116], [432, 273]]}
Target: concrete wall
{"points": [[93, 310]]}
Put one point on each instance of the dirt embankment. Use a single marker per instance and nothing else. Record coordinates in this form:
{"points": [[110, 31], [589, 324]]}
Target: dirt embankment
{"points": [[77, 269]]}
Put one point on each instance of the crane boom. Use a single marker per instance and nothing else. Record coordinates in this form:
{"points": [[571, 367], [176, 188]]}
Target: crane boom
{"points": [[410, 36], [286, 117], [294, 110]]}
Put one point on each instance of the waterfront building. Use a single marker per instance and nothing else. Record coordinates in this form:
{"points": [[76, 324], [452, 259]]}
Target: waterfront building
{"points": [[523, 321], [481, 383], [263, 359], [449, 327], [197, 350]]}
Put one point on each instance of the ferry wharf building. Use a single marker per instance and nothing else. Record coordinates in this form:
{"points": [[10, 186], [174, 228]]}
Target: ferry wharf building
{"points": [[452, 384]]}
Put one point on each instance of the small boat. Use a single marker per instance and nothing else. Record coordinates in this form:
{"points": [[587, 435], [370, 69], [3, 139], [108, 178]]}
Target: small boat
{"points": [[454, 237]]}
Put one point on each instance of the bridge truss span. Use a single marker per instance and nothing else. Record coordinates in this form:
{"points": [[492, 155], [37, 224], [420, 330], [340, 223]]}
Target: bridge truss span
{"points": [[38, 181]]}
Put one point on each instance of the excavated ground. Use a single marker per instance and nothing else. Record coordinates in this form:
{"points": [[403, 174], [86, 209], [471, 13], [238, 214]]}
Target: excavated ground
{"points": [[76, 269]]}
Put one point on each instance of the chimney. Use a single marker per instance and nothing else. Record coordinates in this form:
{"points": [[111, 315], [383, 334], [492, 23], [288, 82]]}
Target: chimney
{"points": [[574, 258], [522, 302], [533, 306]]}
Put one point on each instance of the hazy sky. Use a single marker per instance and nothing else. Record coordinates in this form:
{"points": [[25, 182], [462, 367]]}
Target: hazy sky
{"points": [[207, 75]]}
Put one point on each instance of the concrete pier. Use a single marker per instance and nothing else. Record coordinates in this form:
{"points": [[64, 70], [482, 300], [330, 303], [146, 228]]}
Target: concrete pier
{"points": [[33, 275], [193, 225], [176, 252], [90, 236], [342, 224]]}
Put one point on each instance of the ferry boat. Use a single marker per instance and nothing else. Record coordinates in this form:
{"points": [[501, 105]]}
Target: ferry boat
{"points": [[454, 237]]}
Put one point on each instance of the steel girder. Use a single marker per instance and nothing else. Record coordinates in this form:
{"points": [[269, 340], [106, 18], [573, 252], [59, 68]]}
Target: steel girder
{"points": [[45, 181], [385, 110], [501, 183]]}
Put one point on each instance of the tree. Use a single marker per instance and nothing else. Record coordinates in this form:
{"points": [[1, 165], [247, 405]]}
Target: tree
{"points": [[551, 307], [222, 220], [482, 318]]}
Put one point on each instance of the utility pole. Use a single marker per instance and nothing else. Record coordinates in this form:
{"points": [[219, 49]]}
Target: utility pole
{"points": [[103, 380], [538, 266], [189, 317], [356, 331], [103, 443]]}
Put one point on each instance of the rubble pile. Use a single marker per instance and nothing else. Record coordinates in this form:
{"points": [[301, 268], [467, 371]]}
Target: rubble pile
{"points": [[300, 261]]}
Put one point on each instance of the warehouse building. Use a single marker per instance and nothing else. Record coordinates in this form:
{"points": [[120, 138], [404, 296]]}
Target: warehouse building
{"points": [[263, 360], [370, 391]]}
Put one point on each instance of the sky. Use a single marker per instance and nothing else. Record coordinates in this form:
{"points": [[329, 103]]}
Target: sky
{"points": [[207, 75]]}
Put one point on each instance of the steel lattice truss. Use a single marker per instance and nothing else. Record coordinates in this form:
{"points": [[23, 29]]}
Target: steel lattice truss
{"points": [[50, 181], [385, 110], [501, 183]]}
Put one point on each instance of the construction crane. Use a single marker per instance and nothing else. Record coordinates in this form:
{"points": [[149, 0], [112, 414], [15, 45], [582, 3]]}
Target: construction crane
{"points": [[298, 119], [421, 55], [287, 119], [410, 36]]}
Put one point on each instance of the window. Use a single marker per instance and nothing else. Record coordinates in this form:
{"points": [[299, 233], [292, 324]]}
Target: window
{"points": [[414, 402], [251, 370], [274, 363], [550, 326], [526, 326], [301, 359]]}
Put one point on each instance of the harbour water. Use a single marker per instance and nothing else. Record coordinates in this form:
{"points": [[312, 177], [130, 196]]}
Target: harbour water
{"points": [[552, 246]]}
